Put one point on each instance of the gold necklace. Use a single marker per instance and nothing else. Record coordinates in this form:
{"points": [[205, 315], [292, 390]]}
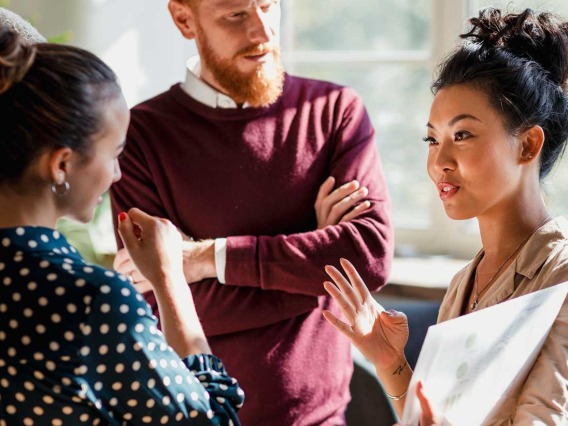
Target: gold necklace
{"points": [[476, 293]]}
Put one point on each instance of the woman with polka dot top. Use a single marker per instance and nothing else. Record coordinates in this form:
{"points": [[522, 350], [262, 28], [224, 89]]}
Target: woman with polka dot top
{"points": [[78, 344]]}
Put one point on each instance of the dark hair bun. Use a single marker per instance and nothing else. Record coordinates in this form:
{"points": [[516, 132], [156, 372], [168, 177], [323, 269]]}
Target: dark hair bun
{"points": [[16, 58], [539, 37]]}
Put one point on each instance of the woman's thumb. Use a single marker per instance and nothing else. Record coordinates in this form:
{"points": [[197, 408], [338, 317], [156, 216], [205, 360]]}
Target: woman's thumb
{"points": [[394, 317]]}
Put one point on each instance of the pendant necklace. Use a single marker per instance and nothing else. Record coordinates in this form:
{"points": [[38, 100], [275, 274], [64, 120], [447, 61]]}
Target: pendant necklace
{"points": [[476, 293]]}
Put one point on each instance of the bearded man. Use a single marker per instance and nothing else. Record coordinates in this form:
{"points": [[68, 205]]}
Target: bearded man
{"points": [[273, 177]]}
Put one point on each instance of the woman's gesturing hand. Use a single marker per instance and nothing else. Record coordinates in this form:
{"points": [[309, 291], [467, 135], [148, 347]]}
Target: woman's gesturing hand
{"points": [[380, 335], [154, 245]]}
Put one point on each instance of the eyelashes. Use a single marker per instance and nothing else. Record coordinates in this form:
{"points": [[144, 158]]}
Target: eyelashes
{"points": [[458, 136], [429, 140]]}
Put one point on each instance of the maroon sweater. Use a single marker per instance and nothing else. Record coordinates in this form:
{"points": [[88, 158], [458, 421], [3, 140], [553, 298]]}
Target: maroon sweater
{"points": [[252, 175]]}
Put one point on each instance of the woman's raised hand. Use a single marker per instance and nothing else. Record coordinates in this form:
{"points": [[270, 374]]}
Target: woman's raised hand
{"points": [[380, 335], [154, 245]]}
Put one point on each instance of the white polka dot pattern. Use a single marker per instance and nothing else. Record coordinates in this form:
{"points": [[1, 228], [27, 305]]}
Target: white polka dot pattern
{"points": [[79, 345]]}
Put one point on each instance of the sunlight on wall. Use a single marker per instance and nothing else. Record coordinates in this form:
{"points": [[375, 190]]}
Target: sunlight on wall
{"points": [[123, 54], [141, 44]]}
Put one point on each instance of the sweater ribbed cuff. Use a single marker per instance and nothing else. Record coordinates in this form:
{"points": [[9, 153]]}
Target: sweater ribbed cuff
{"points": [[242, 267]]}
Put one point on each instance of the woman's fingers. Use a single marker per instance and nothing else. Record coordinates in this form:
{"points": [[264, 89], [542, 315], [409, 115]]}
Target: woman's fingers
{"points": [[359, 287], [126, 231], [122, 262], [140, 216], [344, 305], [143, 286], [427, 417], [338, 324], [344, 286]]}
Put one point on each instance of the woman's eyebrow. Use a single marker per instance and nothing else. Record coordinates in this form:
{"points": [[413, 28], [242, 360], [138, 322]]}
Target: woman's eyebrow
{"points": [[456, 119]]}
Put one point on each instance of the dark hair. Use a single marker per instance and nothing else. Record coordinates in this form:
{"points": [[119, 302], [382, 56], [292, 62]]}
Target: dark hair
{"points": [[51, 96], [521, 62]]}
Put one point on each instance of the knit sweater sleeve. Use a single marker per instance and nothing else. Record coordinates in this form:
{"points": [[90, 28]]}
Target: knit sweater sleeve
{"points": [[295, 263], [151, 180]]}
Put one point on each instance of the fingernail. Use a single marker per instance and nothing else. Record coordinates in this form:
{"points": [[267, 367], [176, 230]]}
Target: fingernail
{"points": [[122, 217], [390, 312]]}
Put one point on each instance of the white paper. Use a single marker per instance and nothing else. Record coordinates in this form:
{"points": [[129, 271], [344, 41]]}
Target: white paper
{"points": [[467, 364]]}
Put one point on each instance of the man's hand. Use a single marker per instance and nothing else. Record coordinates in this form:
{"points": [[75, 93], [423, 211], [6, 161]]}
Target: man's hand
{"points": [[198, 263], [198, 260], [339, 205]]}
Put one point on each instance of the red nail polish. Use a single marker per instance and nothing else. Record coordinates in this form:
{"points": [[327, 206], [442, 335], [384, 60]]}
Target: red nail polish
{"points": [[122, 216]]}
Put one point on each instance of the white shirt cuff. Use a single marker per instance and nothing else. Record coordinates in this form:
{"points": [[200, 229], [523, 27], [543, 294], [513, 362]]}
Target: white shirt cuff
{"points": [[220, 258]]}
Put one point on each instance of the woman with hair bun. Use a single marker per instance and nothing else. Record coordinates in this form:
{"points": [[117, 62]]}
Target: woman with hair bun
{"points": [[498, 124], [78, 343]]}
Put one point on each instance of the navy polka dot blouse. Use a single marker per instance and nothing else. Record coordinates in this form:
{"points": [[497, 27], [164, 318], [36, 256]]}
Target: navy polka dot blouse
{"points": [[79, 345]]}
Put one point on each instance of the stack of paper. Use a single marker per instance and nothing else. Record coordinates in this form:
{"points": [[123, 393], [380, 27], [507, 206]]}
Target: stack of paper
{"points": [[467, 364]]}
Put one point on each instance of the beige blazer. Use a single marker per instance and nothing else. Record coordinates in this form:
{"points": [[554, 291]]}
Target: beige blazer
{"points": [[540, 398]]}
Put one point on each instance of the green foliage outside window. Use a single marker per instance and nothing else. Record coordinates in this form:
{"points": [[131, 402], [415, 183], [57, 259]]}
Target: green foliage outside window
{"points": [[94, 240]]}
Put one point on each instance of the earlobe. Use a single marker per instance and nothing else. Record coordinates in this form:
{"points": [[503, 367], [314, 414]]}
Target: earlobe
{"points": [[182, 16], [531, 143]]}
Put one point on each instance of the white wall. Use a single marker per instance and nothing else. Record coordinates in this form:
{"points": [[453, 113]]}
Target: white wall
{"points": [[135, 37]]}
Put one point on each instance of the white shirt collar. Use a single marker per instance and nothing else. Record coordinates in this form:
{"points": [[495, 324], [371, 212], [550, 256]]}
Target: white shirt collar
{"points": [[201, 91]]}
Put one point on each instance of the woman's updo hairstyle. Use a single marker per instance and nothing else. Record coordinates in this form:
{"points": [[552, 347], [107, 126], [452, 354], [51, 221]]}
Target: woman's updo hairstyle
{"points": [[521, 62], [51, 96]]}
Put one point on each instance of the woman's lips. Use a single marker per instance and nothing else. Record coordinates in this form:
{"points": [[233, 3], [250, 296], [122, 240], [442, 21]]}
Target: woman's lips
{"points": [[447, 190]]}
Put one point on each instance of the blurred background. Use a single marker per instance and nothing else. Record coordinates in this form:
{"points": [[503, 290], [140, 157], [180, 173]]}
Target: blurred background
{"points": [[386, 49]]}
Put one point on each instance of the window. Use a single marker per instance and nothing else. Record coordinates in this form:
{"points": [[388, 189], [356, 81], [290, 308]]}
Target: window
{"points": [[388, 52]]}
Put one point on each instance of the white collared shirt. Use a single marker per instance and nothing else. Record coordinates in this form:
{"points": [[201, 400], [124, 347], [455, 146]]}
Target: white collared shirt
{"points": [[202, 92]]}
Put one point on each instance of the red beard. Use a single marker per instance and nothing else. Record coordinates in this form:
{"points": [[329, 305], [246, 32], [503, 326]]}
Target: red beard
{"points": [[259, 88]]}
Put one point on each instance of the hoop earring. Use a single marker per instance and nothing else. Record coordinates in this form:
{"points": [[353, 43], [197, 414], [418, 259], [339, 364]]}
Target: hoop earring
{"points": [[60, 189]]}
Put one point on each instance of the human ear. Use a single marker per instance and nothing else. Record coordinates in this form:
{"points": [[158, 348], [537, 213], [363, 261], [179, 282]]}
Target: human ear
{"points": [[532, 141], [60, 164], [183, 18]]}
